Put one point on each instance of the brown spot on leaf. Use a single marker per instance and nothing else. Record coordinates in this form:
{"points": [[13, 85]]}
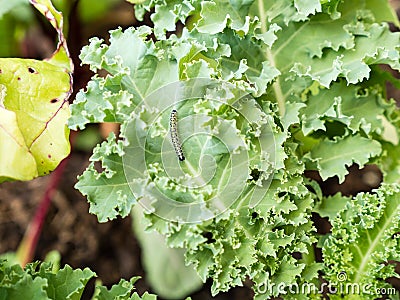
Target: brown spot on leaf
{"points": [[54, 100], [49, 155], [19, 78], [31, 70]]}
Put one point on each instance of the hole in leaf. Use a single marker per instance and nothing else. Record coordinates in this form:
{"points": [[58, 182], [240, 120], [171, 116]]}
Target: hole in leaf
{"points": [[255, 174], [98, 167], [209, 237], [296, 255], [31, 70], [281, 194], [254, 214], [322, 224]]}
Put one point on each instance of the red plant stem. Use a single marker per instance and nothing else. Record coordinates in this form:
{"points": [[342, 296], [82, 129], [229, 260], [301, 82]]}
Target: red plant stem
{"points": [[28, 244]]}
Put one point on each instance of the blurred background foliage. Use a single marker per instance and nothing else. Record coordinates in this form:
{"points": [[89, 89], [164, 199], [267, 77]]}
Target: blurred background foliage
{"points": [[21, 26]]}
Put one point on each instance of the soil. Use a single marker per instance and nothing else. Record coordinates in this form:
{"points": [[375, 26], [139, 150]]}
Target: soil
{"points": [[109, 249]]}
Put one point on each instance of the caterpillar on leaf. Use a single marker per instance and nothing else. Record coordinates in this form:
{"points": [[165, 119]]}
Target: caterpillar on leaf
{"points": [[173, 123]]}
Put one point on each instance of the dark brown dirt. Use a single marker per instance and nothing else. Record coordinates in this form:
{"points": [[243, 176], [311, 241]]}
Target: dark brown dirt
{"points": [[109, 249]]}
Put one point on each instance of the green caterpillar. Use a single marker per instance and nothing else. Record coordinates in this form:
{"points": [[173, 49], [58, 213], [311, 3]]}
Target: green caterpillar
{"points": [[173, 123]]}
